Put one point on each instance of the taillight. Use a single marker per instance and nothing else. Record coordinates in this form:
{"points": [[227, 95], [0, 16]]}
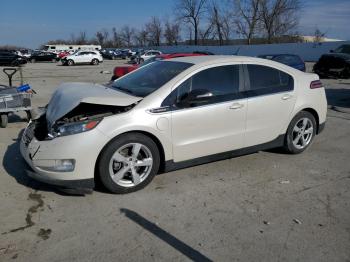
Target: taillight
{"points": [[316, 84]]}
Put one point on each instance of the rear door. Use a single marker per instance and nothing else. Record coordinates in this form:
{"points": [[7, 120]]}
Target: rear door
{"points": [[271, 99]]}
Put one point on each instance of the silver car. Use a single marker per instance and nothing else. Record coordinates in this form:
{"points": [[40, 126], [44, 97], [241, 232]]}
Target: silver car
{"points": [[171, 114]]}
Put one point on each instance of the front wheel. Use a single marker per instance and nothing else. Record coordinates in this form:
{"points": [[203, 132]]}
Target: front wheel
{"points": [[70, 62], [300, 133], [129, 163]]}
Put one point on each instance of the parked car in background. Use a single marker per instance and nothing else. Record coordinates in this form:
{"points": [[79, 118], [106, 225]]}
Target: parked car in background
{"points": [[344, 49], [333, 65], [171, 114], [288, 59], [83, 57], [119, 71], [43, 57], [11, 59]]}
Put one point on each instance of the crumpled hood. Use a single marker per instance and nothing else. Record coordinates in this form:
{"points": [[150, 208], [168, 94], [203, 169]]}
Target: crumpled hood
{"points": [[69, 95]]}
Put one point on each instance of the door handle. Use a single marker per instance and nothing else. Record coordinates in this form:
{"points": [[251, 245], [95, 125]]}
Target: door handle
{"points": [[286, 97], [236, 106]]}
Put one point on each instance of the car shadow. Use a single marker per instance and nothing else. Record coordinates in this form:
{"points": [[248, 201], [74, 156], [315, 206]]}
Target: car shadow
{"points": [[163, 235], [16, 167], [338, 97]]}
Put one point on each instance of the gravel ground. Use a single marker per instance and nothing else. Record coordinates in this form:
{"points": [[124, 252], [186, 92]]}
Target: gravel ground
{"points": [[266, 206]]}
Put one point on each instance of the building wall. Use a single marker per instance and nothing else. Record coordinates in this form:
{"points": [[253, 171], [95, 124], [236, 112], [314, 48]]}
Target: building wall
{"points": [[307, 51]]}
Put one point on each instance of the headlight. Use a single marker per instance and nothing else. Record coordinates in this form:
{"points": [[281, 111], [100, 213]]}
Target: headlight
{"points": [[75, 128]]}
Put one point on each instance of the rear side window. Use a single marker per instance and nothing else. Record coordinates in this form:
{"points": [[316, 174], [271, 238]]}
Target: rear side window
{"points": [[267, 80]]}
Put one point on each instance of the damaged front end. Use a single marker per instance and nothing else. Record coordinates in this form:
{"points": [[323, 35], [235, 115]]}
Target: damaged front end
{"points": [[82, 118]]}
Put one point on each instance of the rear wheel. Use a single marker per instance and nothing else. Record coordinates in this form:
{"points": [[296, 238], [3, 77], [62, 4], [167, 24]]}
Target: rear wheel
{"points": [[3, 120], [300, 133], [94, 61], [129, 163]]}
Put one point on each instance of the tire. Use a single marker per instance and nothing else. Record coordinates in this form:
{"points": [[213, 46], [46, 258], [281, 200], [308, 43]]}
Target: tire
{"points": [[132, 177], [3, 120], [29, 115], [70, 62], [345, 73], [94, 61], [15, 63], [301, 132]]}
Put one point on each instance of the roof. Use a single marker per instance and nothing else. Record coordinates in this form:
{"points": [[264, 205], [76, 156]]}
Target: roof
{"points": [[215, 59]]}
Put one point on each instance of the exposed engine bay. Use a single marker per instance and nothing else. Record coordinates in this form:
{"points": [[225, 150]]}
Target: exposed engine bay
{"points": [[84, 112]]}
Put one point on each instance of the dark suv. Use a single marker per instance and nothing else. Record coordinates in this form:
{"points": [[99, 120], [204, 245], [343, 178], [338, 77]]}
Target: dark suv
{"points": [[335, 64]]}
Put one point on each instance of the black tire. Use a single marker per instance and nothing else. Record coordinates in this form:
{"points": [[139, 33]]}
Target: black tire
{"points": [[29, 115], [289, 146], [70, 62], [3, 120], [112, 147], [345, 73], [15, 63], [95, 61]]}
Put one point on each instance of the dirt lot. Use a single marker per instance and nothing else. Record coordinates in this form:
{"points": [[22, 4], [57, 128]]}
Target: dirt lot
{"points": [[266, 206]]}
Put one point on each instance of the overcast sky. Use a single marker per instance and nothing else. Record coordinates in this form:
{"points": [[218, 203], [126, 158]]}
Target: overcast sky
{"points": [[30, 23]]}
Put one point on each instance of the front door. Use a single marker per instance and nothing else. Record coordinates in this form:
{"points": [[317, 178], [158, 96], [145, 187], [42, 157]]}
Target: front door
{"points": [[208, 114]]}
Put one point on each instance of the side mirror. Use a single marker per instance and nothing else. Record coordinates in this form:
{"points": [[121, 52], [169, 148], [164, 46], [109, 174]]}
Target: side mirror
{"points": [[195, 97]]}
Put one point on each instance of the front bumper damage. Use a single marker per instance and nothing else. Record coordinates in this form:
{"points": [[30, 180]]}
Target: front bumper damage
{"points": [[41, 155]]}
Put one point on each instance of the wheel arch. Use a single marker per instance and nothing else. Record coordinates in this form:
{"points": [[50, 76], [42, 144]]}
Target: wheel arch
{"points": [[314, 113], [145, 133]]}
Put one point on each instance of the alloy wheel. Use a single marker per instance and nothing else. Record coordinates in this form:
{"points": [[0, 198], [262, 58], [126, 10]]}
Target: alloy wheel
{"points": [[130, 164], [302, 133]]}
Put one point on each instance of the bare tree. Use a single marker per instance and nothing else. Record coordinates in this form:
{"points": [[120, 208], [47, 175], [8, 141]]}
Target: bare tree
{"points": [[247, 17], [81, 38], [278, 17], [207, 34], [171, 33], [141, 37], [102, 36], [127, 34], [318, 35], [116, 41], [220, 21], [154, 29], [191, 11]]}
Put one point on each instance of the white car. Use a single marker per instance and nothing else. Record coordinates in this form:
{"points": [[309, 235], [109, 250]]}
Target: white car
{"points": [[83, 57], [149, 54], [171, 114]]}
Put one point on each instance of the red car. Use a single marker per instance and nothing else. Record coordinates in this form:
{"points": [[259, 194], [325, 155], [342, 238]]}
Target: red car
{"points": [[123, 70]]}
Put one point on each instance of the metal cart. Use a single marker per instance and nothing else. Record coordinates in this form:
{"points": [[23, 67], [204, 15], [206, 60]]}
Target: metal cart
{"points": [[14, 99]]}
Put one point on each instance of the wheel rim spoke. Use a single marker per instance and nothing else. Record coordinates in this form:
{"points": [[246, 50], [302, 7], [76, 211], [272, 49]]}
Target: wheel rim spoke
{"points": [[119, 158], [296, 140], [144, 162], [135, 176], [296, 128], [120, 174], [305, 122], [309, 130], [136, 150]]}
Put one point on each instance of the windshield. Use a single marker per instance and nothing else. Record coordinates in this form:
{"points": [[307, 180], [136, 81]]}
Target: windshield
{"points": [[149, 78]]}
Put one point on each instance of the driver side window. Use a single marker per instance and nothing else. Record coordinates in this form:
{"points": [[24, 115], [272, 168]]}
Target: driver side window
{"points": [[213, 85]]}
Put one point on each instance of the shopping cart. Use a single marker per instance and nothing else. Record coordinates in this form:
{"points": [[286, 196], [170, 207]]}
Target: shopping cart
{"points": [[14, 99]]}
